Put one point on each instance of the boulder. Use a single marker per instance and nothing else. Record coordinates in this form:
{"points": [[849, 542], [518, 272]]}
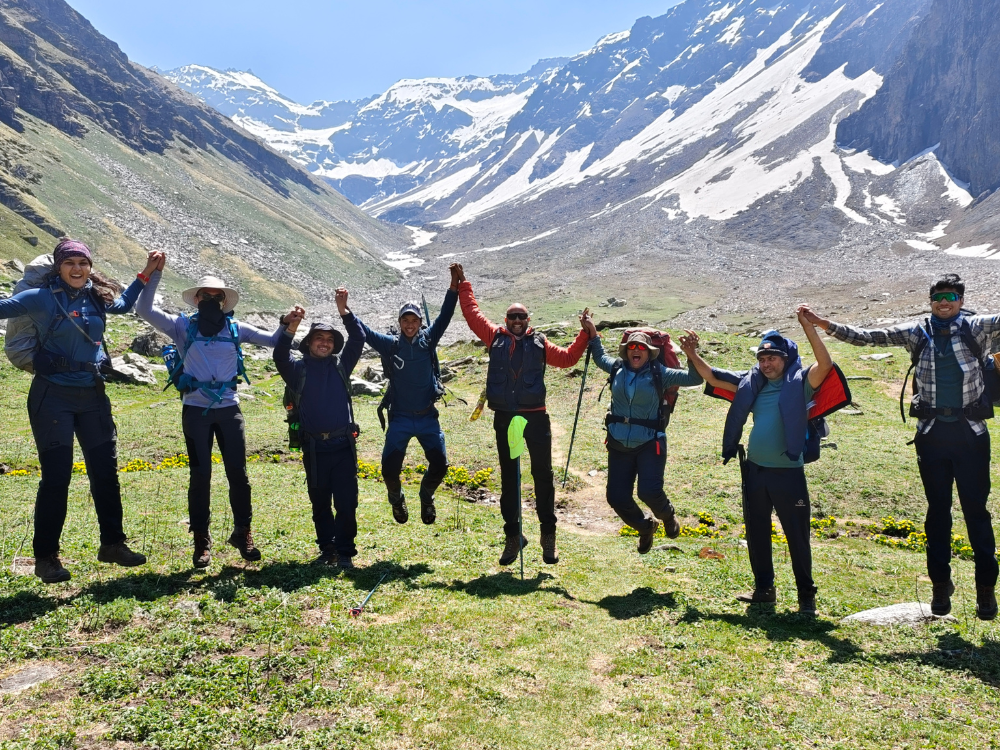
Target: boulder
{"points": [[14, 265], [149, 342], [28, 678], [910, 613], [139, 372], [373, 374], [361, 387]]}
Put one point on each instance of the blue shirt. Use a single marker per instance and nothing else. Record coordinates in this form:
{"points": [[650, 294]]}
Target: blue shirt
{"points": [[766, 446], [65, 339], [412, 375], [948, 374]]}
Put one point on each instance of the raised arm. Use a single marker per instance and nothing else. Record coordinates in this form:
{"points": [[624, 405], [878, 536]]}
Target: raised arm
{"points": [[380, 342], [351, 352], [895, 336], [443, 320], [689, 345], [600, 357], [479, 324], [127, 299], [145, 309], [824, 363], [282, 354]]}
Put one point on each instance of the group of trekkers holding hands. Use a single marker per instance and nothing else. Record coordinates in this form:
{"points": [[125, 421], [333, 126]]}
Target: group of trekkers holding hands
{"points": [[955, 387]]}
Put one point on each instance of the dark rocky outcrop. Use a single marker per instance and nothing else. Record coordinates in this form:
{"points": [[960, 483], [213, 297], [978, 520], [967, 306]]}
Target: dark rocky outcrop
{"points": [[944, 89]]}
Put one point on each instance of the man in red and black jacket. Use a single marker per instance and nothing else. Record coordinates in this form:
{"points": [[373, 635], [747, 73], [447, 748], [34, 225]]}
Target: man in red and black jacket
{"points": [[515, 385]]}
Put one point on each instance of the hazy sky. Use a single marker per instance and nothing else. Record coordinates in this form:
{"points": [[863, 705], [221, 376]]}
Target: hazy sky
{"points": [[330, 49]]}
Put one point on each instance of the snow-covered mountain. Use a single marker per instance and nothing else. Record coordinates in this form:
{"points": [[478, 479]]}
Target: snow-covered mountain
{"points": [[719, 111]]}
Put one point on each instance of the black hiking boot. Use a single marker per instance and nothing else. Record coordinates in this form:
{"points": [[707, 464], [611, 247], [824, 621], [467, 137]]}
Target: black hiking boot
{"points": [[50, 570], [511, 549], [242, 539], [345, 563], [941, 598], [986, 602], [759, 596], [428, 513], [646, 537], [807, 604], [398, 504], [202, 549], [327, 555], [119, 554], [671, 526], [550, 556]]}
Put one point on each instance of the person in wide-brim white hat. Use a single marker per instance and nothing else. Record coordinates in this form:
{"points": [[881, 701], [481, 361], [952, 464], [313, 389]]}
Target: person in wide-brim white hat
{"points": [[214, 284]]}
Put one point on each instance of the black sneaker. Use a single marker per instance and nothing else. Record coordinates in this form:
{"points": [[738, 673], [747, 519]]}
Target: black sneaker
{"points": [[759, 596], [398, 504], [202, 550], [986, 602], [119, 554], [50, 570], [941, 598], [646, 537], [807, 604], [242, 539], [511, 549], [428, 513], [327, 555]]}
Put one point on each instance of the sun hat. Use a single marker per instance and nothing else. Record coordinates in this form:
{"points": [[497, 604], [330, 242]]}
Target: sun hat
{"points": [[338, 337], [212, 282], [638, 337]]}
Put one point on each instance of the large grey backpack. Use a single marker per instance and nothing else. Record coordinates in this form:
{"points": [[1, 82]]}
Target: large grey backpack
{"points": [[21, 341]]}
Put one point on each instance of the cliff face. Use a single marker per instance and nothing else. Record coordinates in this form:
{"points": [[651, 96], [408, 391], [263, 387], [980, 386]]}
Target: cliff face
{"points": [[944, 89], [56, 66]]}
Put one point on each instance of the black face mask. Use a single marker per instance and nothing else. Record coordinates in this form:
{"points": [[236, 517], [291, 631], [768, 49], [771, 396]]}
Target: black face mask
{"points": [[210, 317]]}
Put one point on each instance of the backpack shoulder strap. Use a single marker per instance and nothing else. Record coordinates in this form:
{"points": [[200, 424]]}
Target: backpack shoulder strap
{"points": [[965, 331], [234, 331]]}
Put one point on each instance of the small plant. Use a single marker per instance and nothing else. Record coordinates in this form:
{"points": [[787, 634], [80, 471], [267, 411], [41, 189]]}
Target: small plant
{"points": [[900, 528]]}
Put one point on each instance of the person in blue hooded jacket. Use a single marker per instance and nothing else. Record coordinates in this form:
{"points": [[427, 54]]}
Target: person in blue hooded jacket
{"points": [[777, 391], [67, 398], [637, 440], [413, 390]]}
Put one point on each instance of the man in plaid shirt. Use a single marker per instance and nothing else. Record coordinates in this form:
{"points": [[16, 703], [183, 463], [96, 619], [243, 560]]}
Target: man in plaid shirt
{"points": [[952, 442]]}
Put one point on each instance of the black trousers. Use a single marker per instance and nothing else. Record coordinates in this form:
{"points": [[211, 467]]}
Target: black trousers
{"points": [[785, 492], [952, 454], [538, 439], [645, 464], [56, 414], [200, 430], [334, 475]]}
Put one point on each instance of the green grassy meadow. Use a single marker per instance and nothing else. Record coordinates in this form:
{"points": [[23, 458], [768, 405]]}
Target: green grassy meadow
{"points": [[607, 649]]}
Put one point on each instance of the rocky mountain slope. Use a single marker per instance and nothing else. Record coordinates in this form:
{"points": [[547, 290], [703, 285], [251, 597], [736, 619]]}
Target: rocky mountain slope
{"points": [[99, 147]]}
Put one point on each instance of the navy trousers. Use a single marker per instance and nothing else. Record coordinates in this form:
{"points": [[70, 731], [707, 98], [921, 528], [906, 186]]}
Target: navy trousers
{"points": [[646, 465], [427, 430]]}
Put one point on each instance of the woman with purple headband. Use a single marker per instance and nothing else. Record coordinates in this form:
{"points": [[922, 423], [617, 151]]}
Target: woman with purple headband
{"points": [[67, 397]]}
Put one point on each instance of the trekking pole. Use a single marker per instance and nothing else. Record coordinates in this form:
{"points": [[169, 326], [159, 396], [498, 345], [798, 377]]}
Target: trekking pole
{"points": [[520, 519], [579, 402], [356, 611], [427, 312], [515, 441]]}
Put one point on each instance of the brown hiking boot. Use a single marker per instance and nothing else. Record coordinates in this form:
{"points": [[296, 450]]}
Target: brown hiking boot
{"points": [[759, 596], [398, 504], [242, 539], [807, 604], [428, 513], [50, 570], [671, 526], [646, 537], [511, 549], [202, 550], [550, 556], [327, 555], [986, 602], [119, 554], [941, 598]]}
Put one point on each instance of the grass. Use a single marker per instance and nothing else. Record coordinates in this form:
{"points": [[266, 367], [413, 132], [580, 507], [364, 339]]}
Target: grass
{"points": [[607, 649]]}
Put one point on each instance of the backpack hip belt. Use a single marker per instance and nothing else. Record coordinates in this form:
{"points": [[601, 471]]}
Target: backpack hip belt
{"points": [[652, 424]]}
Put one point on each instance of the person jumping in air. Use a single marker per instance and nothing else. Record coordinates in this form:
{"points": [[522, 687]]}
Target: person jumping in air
{"points": [[409, 362], [515, 386]]}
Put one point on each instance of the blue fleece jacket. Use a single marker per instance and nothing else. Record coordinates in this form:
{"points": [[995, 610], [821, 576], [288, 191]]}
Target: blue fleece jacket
{"points": [[412, 375], [65, 338], [324, 404]]}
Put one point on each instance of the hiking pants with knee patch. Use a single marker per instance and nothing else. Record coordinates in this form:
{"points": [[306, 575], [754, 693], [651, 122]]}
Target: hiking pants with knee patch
{"points": [[646, 465], [538, 439], [332, 477], [56, 414], [952, 454], [200, 431], [427, 430], [785, 492]]}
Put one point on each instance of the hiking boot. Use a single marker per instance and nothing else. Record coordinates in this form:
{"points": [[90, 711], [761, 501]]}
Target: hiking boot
{"points": [[428, 513], [511, 549], [671, 526], [398, 504], [50, 570], [550, 556], [986, 602], [202, 550], [119, 554], [941, 598], [646, 537], [759, 596], [807, 604], [345, 563], [327, 555], [242, 539]]}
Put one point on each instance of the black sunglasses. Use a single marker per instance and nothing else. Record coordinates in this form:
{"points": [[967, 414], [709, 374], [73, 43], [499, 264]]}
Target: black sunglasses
{"points": [[212, 297], [517, 316]]}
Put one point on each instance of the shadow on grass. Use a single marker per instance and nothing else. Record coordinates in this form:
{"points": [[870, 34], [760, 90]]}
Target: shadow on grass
{"points": [[506, 583], [784, 626], [956, 654], [637, 603]]}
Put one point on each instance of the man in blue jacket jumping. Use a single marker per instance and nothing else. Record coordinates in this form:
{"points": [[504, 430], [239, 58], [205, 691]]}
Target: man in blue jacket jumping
{"points": [[410, 364]]}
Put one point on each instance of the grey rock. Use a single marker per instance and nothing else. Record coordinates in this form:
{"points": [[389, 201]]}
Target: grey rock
{"points": [[28, 678], [373, 374], [361, 387], [149, 343], [910, 613], [138, 371], [14, 265]]}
